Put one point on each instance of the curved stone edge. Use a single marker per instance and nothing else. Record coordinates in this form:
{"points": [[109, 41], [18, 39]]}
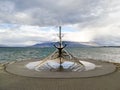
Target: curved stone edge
{"points": [[18, 68]]}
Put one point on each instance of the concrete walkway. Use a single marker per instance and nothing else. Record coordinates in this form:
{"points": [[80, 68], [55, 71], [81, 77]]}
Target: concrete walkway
{"points": [[14, 82]]}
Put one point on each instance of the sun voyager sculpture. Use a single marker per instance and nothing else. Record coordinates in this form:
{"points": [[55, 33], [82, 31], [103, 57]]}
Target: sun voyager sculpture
{"points": [[60, 60]]}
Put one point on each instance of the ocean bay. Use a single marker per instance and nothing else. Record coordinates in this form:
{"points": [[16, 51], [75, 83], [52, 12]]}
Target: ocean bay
{"points": [[24, 53]]}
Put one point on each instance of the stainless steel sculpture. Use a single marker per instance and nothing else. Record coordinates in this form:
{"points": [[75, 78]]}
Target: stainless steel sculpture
{"points": [[60, 56]]}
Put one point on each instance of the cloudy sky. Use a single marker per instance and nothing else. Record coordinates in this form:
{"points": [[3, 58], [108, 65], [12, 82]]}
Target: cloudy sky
{"points": [[27, 22]]}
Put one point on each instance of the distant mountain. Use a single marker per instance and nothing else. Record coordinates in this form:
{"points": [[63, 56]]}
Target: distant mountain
{"points": [[45, 44], [90, 43], [69, 44]]}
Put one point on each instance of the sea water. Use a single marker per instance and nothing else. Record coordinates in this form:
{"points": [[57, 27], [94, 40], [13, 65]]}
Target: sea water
{"points": [[23, 53], [110, 54]]}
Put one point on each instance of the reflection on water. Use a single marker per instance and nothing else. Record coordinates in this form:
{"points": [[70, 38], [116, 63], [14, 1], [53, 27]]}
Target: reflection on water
{"points": [[106, 54]]}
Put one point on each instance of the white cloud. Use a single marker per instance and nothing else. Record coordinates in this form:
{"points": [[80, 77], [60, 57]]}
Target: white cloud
{"points": [[106, 29], [26, 35], [50, 12], [96, 21]]}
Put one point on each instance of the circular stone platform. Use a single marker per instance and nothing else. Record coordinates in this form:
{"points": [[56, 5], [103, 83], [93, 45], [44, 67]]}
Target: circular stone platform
{"points": [[19, 68]]}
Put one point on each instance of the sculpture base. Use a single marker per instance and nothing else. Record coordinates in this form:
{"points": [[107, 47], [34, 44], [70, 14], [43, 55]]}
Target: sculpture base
{"points": [[19, 68]]}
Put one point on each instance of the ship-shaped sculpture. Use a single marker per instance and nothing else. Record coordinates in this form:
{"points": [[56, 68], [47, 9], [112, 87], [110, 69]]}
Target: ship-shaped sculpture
{"points": [[60, 59]]}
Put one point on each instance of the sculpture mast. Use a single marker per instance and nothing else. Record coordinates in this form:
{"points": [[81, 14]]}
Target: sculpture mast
{"points": [[60, 50], [60, 47], [60, 37]]}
